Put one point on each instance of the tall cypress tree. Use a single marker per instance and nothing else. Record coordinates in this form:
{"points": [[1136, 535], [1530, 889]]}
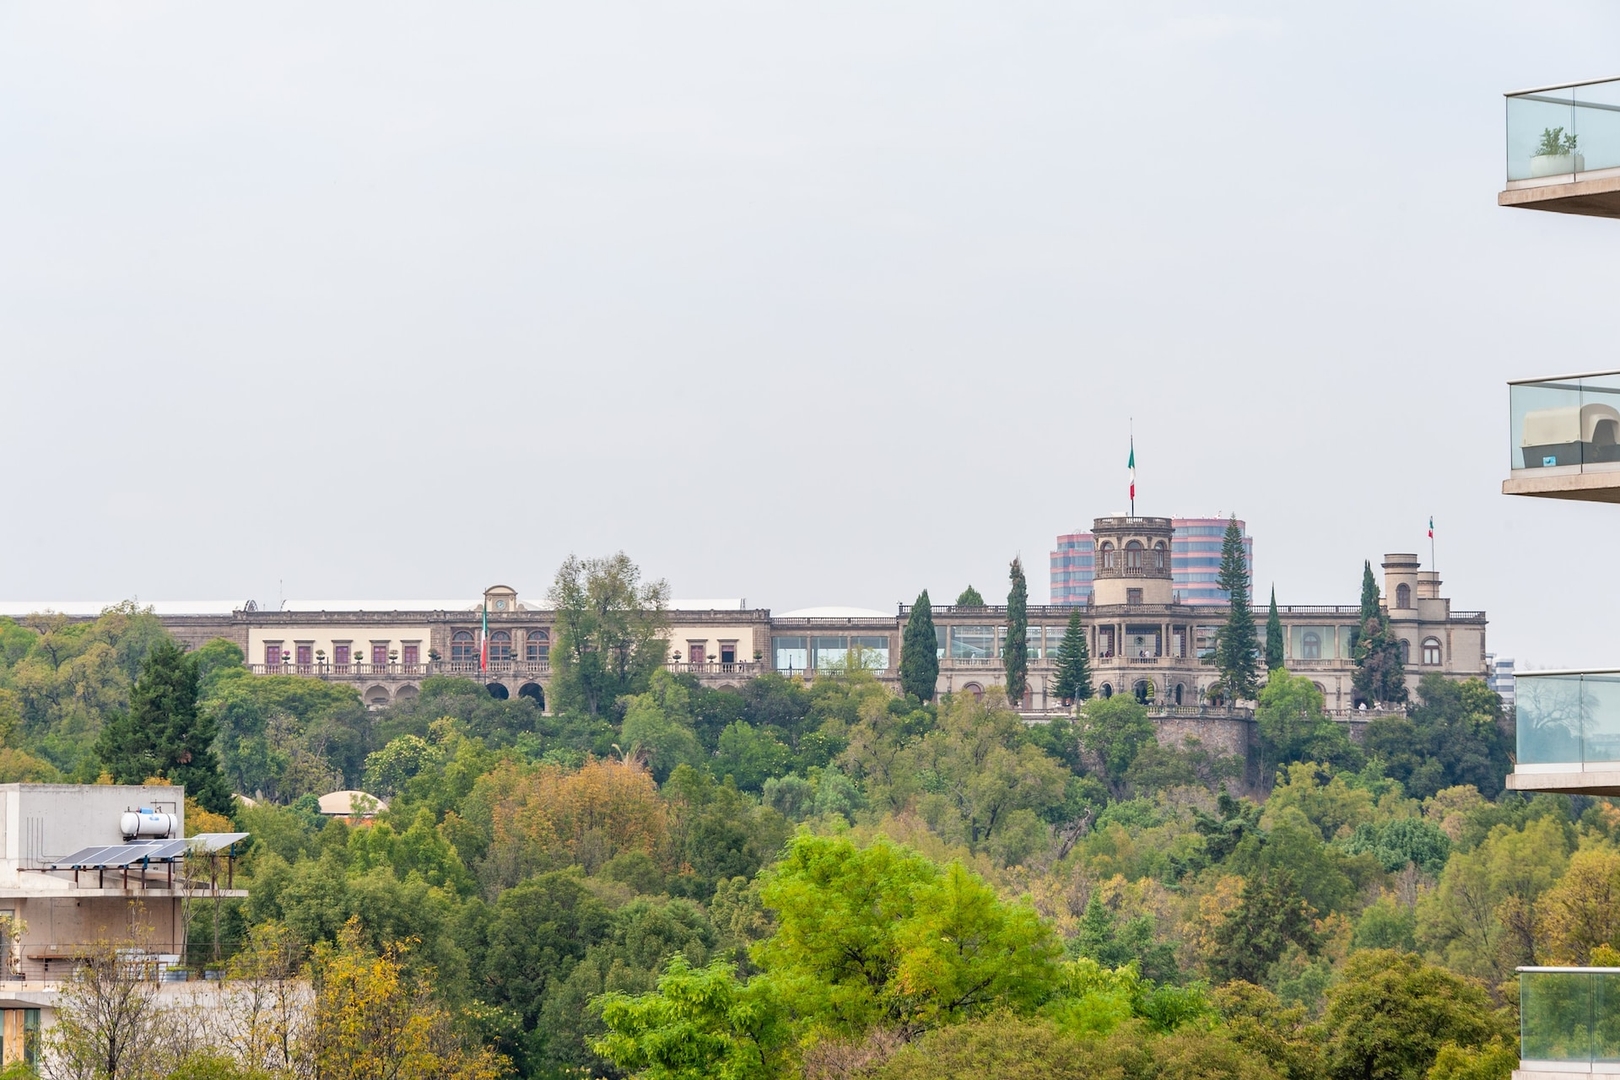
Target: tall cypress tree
{"points": [[919, 659], [163, 735], [1015, 655], [1237, 649], [1274, 635], [1073, 681], [1380, 676]]}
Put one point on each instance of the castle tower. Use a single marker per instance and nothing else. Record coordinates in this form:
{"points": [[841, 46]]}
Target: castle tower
{"points": [[1132, 562]]}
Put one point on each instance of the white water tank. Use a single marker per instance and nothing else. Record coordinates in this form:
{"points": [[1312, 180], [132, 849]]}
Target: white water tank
{"points": [[146, 824]]}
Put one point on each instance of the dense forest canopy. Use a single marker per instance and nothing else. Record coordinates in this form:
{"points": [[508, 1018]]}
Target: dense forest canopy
{"points": [[827, 879]]}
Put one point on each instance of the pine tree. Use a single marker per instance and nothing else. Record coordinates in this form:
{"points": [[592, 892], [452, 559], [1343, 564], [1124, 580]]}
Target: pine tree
{"points": [[1274, 635], [1073, 681], [1380, 676], [1015, 655], [919, 656], [162, 734], [970, 598], [1237, 648]]}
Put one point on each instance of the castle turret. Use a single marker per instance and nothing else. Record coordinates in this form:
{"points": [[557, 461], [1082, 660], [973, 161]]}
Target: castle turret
{"points": [[1132, 562]]}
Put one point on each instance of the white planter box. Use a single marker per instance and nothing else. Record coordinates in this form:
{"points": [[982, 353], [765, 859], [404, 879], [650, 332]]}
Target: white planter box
{"points": [[1557, 164]]}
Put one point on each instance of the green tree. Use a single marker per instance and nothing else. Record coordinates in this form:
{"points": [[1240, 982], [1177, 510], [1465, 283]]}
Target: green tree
{"points": [[1456, 734], [163, 734], [1236, 647], [1274, 635], [1113, 730], [1293, 725], [1390, 1013], [1380, 677], [882, 937], [970, 598], [1073, 681], [919, 655], [1015, 654], [1270, 916], [611, 629], [698, 1024]]}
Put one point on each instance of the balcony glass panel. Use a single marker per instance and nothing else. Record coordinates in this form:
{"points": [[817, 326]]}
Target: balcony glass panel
{"points": [[829, 653], [1569, 421], [790, 653], [973, 642], [1569, 719], [874, 651], [1554, 135], [1569, 1015]]}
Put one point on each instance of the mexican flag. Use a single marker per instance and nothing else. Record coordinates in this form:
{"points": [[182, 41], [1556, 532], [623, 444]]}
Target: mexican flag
{"points": [[1131, 465]]}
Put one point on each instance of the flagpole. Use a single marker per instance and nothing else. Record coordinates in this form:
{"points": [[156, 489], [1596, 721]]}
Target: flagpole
{"points": [[1433, 564], [1133, 466]]}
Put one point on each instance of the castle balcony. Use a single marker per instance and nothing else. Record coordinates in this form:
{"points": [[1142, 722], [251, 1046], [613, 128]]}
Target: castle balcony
{"points": [[1569, 1022], [1565, 437], [1568, 733], [536, 669], [1563, 149]]}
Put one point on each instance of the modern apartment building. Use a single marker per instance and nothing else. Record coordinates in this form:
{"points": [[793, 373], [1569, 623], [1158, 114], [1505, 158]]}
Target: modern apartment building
{"points": [[1563, 155], [1195, 561]]}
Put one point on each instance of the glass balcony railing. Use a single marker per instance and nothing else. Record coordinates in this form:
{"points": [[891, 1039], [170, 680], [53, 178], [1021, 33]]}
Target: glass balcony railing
{"points": [[1556, 133], [1569, 1017], [1568, 721], [1569, 421]]}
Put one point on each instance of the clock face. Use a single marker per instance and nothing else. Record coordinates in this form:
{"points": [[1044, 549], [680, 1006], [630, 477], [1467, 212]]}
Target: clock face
{"points": [[500, 605]]}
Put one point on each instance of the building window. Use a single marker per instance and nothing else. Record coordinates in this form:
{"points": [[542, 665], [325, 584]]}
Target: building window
{"points": [[1406, 651], [340, 653], [1133, 596], [500, 647], [304, 651], [973, 642], [411, 653], [537, 647], [463, 648], [272, 654], [874, 651], [791, 653], [829, 653], [1133, 555], [696, 651], [1109, 557], [1403, 595], [1106, 690], [1312, 646], [379, 654], [1431, 651], [728, 652], [1158, 556]]}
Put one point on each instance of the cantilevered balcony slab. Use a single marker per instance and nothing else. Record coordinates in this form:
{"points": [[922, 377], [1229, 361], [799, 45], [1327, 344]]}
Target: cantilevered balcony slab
{"points": [[1564, 437], [1587, 194], [1568, 732], [1563, 149]]}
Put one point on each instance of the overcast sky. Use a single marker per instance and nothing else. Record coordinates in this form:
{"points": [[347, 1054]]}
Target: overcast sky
{"points": [[804, 303]]}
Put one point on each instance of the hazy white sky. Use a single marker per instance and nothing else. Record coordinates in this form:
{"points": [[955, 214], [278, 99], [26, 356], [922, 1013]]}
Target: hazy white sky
{"points": [[807, 303]]}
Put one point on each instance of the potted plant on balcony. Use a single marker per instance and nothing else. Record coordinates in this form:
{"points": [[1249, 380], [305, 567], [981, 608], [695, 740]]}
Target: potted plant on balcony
{"points": [[1555, 155]]}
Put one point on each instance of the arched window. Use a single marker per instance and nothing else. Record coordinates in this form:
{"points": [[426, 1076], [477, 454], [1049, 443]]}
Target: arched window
{"points": [[1109, 556], [537, 646], [1133, 555], [1406, 651], [1179, 690], [1403, 595], [1311, 646], [500, 647], [1431, 651], [463, 649], [1106, 690]]}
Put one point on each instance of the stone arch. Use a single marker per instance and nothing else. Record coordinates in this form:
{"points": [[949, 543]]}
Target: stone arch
{"points": [[1143, 691], [406, 693], [973, 688], [1105, 691], [1178, 692], [377, 696], [498, 691], [534, 692], [1403, 595]]}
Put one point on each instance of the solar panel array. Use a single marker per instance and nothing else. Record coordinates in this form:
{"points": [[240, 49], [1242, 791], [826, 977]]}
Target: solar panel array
{"points": [[214, 841], [106, 857]]}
